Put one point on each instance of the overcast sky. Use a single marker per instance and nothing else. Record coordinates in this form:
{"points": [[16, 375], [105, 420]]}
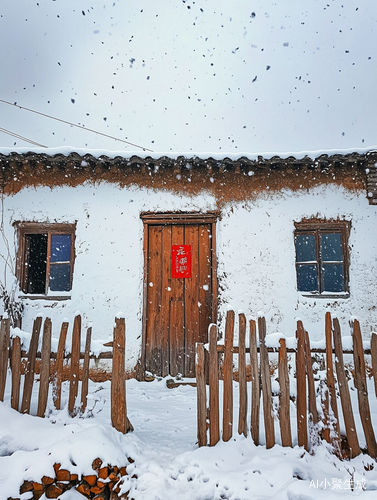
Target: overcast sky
{"points": [[182, 75]]}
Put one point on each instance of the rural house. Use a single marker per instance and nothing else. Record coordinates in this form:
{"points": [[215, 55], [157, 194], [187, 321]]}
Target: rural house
{"points": [[175, 241]]}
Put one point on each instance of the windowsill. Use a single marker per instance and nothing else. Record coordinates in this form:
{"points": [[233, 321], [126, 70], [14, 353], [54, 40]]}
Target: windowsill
{"points": [[44, 297], [345, 295]]}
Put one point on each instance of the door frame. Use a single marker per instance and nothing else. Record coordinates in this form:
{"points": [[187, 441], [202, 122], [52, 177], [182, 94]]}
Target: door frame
{"points": [[174, 218]]}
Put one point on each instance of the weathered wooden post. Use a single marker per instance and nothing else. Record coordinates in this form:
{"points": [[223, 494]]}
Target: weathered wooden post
{"points": [[75, 365], [266, 385], [45, 368], [119, 417], [201, 395], [30, 367]]}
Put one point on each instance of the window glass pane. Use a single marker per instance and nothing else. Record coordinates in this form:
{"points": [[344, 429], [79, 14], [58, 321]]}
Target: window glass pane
{"points": [[60, 277], [332, 278], [331, 247], [61, 247], [35, 263], [307, 278], [305, 248]]}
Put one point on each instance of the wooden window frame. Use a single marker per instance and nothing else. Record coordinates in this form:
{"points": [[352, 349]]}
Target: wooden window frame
{"points": [[317, 227], [26, 228]]}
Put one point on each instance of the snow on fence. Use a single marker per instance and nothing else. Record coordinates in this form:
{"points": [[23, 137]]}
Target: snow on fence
{"points": [[313, 423], [10, 351]]}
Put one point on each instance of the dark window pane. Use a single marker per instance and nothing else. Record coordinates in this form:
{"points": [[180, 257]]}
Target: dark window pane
{"points": [[305, 248], [331, 247], [307, 278], [35, 263], [61, 247], [332, 278], [60, 277]]}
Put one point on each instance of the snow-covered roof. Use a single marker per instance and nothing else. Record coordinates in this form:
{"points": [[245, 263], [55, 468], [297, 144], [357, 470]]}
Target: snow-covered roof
{"points": [[48, 165]]}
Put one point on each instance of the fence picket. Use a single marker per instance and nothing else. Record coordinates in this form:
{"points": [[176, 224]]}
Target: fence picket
{"points": [[284, 414], [214, 419], [302, 429], [255, 384], [331, 395], [4, 354], [345, 398], [16, 372], [30, 366], [85, 370], [242, 416], [228, 377], [75, 364], [362, 391], [45, 368], [266, 385], [57, 389], [373, 350], [201, 396]]}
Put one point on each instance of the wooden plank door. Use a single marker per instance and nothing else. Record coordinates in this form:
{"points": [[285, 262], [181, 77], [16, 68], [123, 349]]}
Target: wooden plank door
{"points": [[177, 311]]}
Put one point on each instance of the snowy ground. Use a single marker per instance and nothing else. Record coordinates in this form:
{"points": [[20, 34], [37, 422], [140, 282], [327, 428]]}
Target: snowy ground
{"points": [[168, 463]]}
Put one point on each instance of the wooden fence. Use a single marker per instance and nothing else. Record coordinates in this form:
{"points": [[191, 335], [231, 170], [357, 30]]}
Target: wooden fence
{"points": [[315, 420], [11, 357]]}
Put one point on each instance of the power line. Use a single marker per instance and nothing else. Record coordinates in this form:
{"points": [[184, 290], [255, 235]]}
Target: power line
{"points": [[81, 127], [21, 137]]}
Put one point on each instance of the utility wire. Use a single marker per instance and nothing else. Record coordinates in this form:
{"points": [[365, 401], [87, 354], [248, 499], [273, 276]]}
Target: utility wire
{"points": [[75, 125], [21, 137]]}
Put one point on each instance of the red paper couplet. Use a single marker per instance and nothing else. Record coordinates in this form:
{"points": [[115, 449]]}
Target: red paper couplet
{"points": [[181, 261]]}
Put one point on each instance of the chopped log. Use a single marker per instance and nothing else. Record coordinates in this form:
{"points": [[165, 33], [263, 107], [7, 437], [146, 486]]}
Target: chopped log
{"points": [[91, 479], [4, 354], [57, 389], [56, 467], [45, 368], [54, 491], [85, 373], [16, 372], [25, 487], [47, 480], [242, 417], [96, 464], [302, 429], [119, 417], [331, 398], [38, 486], [266, 385], [98, 488], [214, 418], [123, 471], [201, 395], [84, 489], [373, 350], [228, 377], [284, 401], [255, 384], [105, 495], [30, 367], [63, 475], [362, 390], [75, 360], [344, 392], [103, 473]]}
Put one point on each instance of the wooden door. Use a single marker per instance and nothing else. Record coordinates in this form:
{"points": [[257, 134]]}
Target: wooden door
{"points": [[178, 310]]}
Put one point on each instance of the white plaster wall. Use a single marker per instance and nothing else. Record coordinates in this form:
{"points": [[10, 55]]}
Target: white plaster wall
{"points": [[255, 248]]}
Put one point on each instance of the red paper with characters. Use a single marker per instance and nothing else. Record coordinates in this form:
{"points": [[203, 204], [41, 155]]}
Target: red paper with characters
{"points": [[181, 261]]}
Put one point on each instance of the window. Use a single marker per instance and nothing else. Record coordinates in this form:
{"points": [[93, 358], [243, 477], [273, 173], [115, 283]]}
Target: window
{"points": [[322, 257], [45, 258]]}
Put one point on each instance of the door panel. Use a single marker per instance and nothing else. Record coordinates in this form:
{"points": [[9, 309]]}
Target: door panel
{"points": [[178, 310]]}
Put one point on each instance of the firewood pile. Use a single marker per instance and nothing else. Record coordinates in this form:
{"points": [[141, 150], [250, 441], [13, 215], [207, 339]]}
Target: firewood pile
{"points": [[103, 484]]}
